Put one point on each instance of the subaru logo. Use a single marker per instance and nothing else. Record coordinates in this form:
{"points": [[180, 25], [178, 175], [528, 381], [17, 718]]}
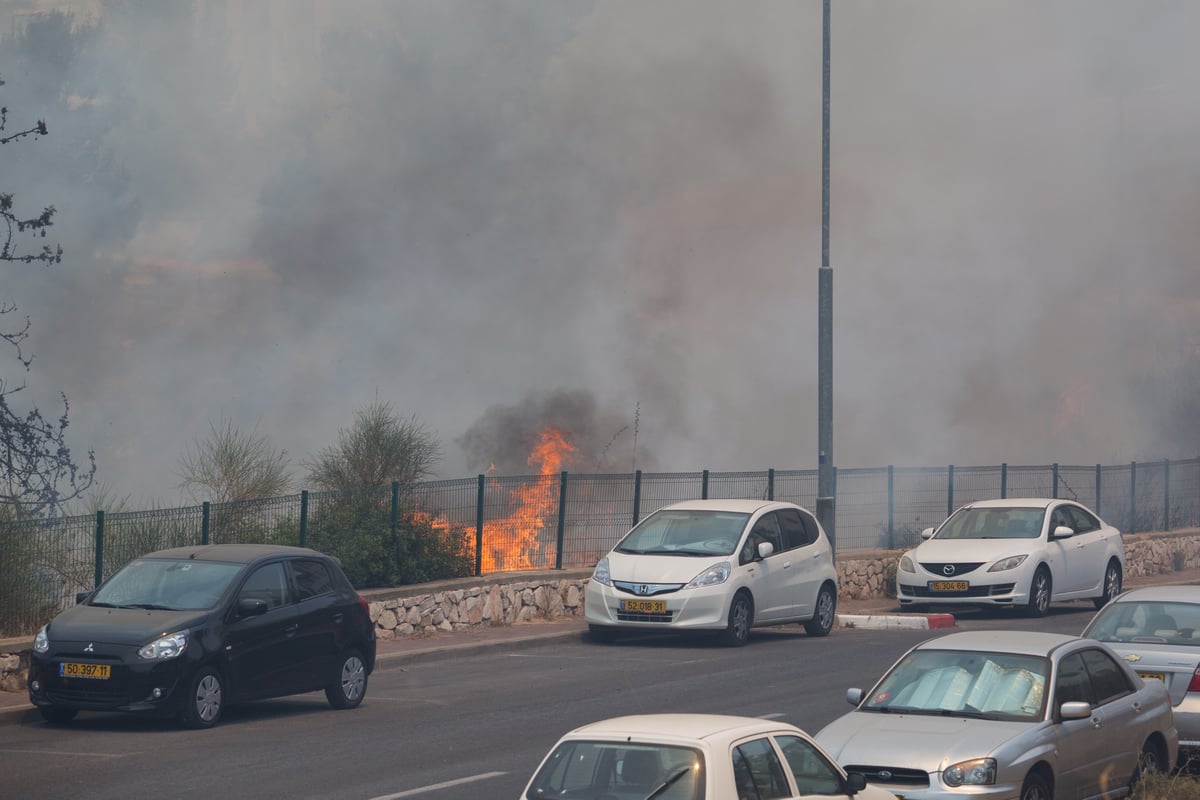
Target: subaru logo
{"points": [[91, 648], [948, 569], [885, 774]]}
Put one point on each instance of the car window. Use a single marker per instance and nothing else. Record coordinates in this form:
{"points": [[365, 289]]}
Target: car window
{"points": [[267, 583], [1061, 516], [1134, 621], [1073, 684], [766, 529], [1109, 681], [612, 769], [1082, 520], [811, 771], [757, 772], [311, 578], [795, 529]]}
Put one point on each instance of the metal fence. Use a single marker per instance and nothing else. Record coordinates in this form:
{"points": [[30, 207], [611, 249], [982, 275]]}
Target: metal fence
{"points": [[567, 521]]}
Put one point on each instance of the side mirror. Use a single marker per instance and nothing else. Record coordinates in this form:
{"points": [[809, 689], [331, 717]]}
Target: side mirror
{"points": [[81, 597], [854, 696], [927, 533], [1062, 532], [1076, 709], [855, 782], [765, 549], [251, 607]]}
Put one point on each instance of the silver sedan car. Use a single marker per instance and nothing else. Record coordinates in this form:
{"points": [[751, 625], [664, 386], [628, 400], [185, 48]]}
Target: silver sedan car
{"points": [[1157, 630], [1006, 714]]}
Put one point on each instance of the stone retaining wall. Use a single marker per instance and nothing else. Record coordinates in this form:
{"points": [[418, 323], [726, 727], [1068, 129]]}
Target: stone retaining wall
{"points": [[415, 611]]}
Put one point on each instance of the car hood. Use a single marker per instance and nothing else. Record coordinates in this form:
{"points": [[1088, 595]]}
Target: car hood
{"points": [[120, 626], [658, 569], [985, 550], [914, 740]]}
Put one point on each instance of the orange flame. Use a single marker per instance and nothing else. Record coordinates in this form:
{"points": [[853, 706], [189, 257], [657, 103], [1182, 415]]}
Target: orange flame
{"points": [[512, 543]]}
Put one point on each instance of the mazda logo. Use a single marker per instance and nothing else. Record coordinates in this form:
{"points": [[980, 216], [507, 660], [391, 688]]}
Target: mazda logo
{"points": [[948, 569]]}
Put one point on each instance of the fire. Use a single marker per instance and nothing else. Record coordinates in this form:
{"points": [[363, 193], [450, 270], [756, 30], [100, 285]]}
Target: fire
{"points": [[512, 543]]}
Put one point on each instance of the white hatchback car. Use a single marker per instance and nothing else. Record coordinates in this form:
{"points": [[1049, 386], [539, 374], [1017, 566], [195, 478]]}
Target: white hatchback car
{"points": [[719, 565], [692, 757], [1017, 553]]}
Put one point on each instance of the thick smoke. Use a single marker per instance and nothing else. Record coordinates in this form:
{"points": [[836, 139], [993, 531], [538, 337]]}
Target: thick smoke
{"points": [[502, 216]]}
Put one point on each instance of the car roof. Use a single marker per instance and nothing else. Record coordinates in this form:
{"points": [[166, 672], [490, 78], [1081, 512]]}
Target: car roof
{"points": [[1035, 643], [742, 506], [677, 727], [1015, 502], [1175, 592], [233, 553]]}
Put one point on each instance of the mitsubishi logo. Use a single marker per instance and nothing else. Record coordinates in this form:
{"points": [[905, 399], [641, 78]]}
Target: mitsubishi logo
{"points": [[91, 648], [948, 569]]}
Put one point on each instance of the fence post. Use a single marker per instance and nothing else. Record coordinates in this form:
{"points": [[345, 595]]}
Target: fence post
{"points": [[1132, 496], [704, 486], [1003, 481], [304, 517], [394, 522], [1054, 477], [1098, 484], [205, 516], [562, 520], [950, 490], [99, 571], [479, 529], [637, 496], [1166, 494], [771, 483], [891, 508]]}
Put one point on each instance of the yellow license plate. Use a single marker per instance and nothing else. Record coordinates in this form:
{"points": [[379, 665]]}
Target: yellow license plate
{"points": [[644, 606], [1157, 676], [949, 586], [73, 669]]}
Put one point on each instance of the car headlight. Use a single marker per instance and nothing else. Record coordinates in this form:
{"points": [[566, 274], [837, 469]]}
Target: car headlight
{"points": [[906, 564], [600, 574], [1012, 562], [41, 642], [713, 576], [166, 647], [976, 772]]}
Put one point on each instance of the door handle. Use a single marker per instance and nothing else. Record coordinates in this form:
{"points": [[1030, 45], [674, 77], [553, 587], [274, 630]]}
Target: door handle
{"points": [[290, 630], [337, 618], [1097, 723]]}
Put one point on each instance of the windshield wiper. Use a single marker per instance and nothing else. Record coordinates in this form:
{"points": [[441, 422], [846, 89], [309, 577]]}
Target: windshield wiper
{"points": [[148, 606], [668, 783], [103, 605]]}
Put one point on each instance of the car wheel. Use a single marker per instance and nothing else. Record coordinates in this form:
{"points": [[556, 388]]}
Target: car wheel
{"points": [[57, 715], [203, 703], [1035, 788], [741, 619], [602, 633], [1039, 593], [1151, 760], [1112, 585], [349, 684], [822, 622]]}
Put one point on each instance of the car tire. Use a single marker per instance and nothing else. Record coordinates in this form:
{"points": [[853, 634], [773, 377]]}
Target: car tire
{"points": [[825, 615], [1112, 585], [741, 620], [1035, 787], [1039, 593], [204, 700], [602, 633], [57, 715], [1151, 761], [349, 685]]}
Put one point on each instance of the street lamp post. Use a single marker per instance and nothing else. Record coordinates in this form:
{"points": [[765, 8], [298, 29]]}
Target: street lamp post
{"points": [[826, 501]]}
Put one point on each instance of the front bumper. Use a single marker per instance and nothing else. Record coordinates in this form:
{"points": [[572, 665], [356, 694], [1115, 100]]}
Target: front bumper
{"points": [[145, 687], [703, 608], [1004, 590]]}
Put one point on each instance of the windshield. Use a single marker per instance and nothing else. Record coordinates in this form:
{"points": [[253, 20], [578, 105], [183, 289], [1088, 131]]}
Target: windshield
{"points": [[174, 584], [620, 769], [993, 523], [1148, 622], [686, 533], [963, 683]]}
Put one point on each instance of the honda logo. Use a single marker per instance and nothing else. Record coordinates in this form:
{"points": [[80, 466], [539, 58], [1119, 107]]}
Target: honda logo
{"points": [[643, 590]]}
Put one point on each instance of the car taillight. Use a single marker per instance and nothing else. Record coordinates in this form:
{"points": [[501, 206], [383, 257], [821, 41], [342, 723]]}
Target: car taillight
{"points": [[366, 607], [1194, 686]]}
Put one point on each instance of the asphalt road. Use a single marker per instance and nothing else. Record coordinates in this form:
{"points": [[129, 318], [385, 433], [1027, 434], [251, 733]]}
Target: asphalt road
{"points": [[461, 728]]}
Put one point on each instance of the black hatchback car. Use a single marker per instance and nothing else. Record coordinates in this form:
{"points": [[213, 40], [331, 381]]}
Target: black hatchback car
{"points": [[183, 632]]}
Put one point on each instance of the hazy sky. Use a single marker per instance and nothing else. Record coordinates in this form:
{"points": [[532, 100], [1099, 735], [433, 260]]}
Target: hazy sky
{"points": [[497, 216]]}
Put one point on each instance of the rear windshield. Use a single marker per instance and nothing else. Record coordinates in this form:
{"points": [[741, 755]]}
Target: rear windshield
{"points": [[1147, 622], [620, 769]]}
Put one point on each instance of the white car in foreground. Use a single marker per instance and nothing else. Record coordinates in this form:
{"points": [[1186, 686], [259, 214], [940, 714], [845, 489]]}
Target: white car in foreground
{"points": [[717, 565], [692, 757], [1014, 553]]}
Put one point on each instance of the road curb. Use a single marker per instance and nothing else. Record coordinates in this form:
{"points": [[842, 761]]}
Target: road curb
{"points": [[879, 622]]}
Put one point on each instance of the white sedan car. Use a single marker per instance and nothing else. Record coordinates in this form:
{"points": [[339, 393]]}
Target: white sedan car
{"points": [[692, 757], [1006, 715], [717, 565], [1015, 553]]}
